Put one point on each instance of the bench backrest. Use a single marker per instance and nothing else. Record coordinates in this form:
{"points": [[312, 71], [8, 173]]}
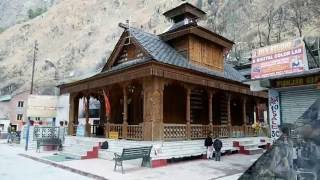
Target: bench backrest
{"points": [[137, 152]]}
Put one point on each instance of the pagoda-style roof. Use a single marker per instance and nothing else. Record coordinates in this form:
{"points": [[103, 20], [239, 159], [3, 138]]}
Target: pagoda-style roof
{"points": [[159, 51], [150, 49], [198, 31]]}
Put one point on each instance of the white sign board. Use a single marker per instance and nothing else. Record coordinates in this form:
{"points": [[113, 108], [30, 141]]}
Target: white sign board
{"points": [[42, 106], [278, 59], [274, 113]]}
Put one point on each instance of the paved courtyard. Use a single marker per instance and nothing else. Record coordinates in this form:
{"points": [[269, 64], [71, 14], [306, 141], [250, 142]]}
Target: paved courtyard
{"points": [[14, 166]]}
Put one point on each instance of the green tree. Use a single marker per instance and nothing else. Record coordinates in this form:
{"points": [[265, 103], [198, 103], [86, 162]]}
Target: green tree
{"points": [[34, 13]]}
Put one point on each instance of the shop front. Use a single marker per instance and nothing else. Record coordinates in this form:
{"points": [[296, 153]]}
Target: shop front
{"points": [[291, 96]]}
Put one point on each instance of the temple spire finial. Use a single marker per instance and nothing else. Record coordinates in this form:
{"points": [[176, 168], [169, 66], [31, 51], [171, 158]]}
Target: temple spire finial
{"points": [[184, 11]]}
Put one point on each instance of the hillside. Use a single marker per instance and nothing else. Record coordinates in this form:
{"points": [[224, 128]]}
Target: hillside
{"points": [[75, 37]]}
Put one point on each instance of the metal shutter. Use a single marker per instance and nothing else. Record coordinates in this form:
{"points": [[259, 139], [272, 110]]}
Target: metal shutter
{"points": [[294, 103]]}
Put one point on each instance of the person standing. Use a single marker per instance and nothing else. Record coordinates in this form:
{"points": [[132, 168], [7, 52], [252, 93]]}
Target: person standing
{"points": [[217, 144], [9, 134], [208, 143]]}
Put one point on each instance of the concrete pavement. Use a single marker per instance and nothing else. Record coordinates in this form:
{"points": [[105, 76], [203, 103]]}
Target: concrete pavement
{"points": [[13, 166]]}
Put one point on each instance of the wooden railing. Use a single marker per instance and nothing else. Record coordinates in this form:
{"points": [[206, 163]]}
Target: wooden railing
{"points": [[174, 131], [116, 127], [237, 131], [134, 132], [180, 131], [199, 131], [220, 130]]}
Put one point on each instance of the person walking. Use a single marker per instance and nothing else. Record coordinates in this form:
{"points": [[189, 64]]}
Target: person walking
{"points": [[208, 143], [9, 134], [217, 145]]}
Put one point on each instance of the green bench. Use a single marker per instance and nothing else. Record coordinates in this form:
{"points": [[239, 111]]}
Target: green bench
{"points": [[133, 153], [48, 142]]}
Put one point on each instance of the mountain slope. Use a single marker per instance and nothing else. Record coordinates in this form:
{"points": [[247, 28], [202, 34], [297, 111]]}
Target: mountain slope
{"points": [[76, 36]]}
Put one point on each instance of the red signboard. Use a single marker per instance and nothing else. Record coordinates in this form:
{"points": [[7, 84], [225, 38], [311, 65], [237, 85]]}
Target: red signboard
{"points": [[279, 59]]}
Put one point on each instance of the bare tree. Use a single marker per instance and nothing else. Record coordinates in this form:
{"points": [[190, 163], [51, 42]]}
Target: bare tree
{"points": [[299, 14], [213, 16], [260, 34], [269, 19], [280, 19], [222, 25], [315, 6]]}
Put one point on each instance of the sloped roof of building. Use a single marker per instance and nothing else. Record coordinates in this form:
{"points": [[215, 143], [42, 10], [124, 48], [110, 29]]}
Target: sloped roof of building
{"points": [[5, 98], [162, 52]]}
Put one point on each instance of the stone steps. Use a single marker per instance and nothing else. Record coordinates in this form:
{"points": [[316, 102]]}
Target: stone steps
{"points": [[81, 147], [164, 150], [82, 152], [160, 150], [249, 147]]}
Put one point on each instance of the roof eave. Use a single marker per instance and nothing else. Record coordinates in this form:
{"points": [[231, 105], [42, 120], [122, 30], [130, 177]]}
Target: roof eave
{"points": [[201, 32]]}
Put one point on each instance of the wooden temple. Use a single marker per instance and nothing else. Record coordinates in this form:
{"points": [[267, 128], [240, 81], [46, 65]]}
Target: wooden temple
{"points": [[172, 86]]}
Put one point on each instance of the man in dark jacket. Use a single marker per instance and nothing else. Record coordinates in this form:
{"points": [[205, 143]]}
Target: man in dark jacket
{"points": [[208, 143], [217, 145]]}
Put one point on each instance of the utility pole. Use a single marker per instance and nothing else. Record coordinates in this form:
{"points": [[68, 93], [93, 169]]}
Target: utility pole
{"points": [[33, 64], [31, 90]]}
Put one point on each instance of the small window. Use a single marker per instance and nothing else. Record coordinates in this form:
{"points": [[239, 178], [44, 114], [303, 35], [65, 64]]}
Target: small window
{"points": [[20, 104], [19, 116], [37, 118]]}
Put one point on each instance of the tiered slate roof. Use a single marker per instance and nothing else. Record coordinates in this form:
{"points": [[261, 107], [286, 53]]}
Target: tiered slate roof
{"points": [[158, 50]]}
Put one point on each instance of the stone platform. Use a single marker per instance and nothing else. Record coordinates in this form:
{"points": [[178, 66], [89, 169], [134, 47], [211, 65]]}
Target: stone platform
{"points": [[162, 152]]}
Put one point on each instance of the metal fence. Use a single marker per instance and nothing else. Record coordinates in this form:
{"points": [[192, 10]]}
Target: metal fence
{"points": [[48, 132]]}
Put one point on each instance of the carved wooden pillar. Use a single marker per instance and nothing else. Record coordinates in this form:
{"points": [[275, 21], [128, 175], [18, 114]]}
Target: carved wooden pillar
{"points": [[107, 123], [71, 114], [188, 115], [153, 109], [210, 96], [125, 113], [87, 126], [244, 112], [106, 117], [229, 113]]}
